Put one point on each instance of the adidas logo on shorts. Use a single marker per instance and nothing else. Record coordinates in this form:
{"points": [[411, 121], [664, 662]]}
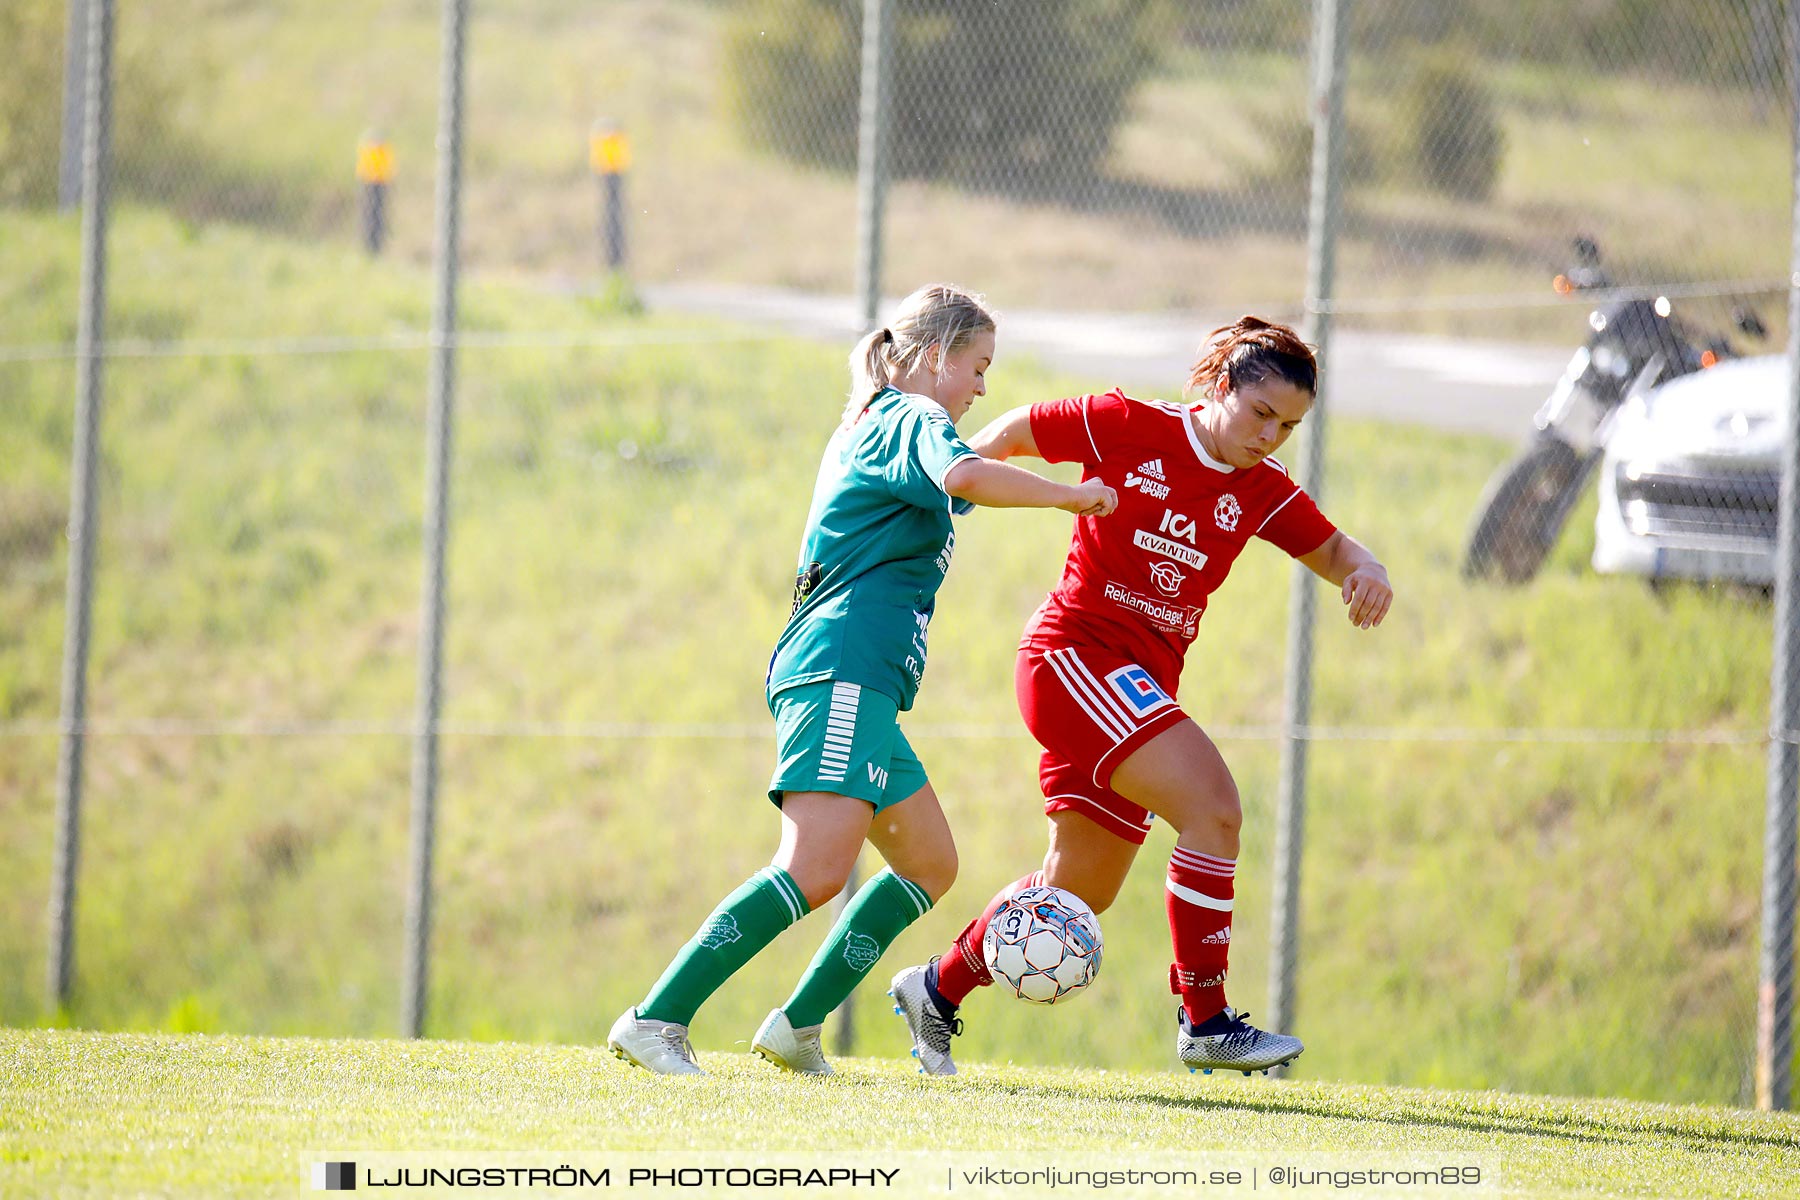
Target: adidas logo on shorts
{"points": [[1148, 478]]}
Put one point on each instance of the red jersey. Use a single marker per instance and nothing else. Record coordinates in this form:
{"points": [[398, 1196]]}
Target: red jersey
{"points": [[1137, 581]]}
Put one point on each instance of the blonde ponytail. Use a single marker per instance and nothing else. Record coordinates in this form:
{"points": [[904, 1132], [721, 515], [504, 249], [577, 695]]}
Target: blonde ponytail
{"points": [[870, 370]]}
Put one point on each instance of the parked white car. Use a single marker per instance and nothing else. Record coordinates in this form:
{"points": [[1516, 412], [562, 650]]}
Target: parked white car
{"points": [[1691, 483]]}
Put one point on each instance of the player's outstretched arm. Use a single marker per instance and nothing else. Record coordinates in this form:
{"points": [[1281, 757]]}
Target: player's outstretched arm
{"points": [[1006, 436], [1358, 573], [1002, 485]]}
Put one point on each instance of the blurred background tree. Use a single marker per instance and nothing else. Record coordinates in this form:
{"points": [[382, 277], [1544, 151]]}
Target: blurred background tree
{"points": [[1030, 90], [31, 130]]}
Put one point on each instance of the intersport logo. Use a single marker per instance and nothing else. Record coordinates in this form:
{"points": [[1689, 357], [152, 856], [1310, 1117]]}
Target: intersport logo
{"points": [[1148, 479]]}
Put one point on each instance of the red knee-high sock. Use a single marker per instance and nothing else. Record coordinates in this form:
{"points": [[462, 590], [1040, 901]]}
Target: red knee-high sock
{"points": [[1199, 900], [961, 969]]}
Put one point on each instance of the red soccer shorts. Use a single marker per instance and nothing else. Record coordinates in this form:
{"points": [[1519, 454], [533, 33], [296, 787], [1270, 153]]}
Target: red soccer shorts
{"points": [[1089, 709]]}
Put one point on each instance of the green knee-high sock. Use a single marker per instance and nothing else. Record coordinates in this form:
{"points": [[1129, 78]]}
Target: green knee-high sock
{"points": [[745, 921], [871, 921]]}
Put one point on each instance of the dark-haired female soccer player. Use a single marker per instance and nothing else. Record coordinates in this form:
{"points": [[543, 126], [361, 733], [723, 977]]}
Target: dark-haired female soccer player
{"points": [[1098, 667]]}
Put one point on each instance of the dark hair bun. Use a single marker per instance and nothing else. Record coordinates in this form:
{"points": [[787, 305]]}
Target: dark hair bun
{"points": [[1250, 350]]}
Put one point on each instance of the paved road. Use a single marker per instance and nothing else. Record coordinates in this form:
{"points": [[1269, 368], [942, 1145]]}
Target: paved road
{"points": [[1471, 386]]}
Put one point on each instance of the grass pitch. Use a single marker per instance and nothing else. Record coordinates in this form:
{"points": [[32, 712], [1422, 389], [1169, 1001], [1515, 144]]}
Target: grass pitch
{"points": [[133, 1114]]}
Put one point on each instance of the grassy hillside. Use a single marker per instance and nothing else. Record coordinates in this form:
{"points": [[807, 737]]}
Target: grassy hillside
{"points": [[1480, 912], [1200, 206], [226, 1116]]}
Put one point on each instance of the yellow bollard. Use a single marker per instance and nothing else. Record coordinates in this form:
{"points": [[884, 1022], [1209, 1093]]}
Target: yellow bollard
{"points": [[374, 169], [609, 157]]}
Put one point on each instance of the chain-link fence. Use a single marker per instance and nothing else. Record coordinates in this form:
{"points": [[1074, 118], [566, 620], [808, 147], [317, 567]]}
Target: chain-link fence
{"points": [[1533, 796]]}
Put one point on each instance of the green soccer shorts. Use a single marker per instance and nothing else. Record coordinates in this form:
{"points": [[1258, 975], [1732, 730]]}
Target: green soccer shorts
{"points": [[845, 739]]}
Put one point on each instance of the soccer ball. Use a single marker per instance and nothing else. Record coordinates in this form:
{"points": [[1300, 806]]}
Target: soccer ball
{"points": [[1043, 945]]}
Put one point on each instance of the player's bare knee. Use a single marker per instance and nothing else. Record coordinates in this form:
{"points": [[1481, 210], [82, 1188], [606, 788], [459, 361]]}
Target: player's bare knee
{"points": [[937, 881], [1226, 811], [820, 887], [1096, 891], [1216, 812], [943, 875], [819, 897], [935, 875], [1216, 807], [931, 865], [1100, 898]]}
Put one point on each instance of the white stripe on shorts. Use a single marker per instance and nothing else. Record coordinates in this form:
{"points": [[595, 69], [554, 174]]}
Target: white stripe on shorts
{"points": [[1070, 675], [1092, 807], [1104, 709], [840, 730]]}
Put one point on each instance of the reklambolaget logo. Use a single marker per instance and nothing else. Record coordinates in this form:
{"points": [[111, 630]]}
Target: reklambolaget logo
{"points": [[1174, 618], [334, 1177]]}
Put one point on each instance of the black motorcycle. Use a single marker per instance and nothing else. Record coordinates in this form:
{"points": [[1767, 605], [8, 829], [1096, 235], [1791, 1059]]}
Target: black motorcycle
{"points": [[1634, 345]]}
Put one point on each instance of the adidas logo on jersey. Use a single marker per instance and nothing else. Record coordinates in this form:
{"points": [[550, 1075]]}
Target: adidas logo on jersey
{"points": [[1148, 478]]}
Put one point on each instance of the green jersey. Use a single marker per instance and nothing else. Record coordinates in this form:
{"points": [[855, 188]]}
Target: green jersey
{"points": [[878, 542]]}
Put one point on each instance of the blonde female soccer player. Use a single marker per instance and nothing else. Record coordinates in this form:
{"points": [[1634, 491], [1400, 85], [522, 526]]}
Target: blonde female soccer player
{"points": [[1097, 671], [877, 544]]}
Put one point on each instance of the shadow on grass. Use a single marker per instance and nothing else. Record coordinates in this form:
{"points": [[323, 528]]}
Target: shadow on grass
{"points": [[1567, 1127]]}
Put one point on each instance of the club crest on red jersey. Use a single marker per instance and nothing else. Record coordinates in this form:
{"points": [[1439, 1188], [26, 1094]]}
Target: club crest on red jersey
{"points": [[1227, 511]]}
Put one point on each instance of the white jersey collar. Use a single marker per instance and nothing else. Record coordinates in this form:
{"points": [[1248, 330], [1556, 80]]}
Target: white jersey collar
{"points": [[1187, 423]]}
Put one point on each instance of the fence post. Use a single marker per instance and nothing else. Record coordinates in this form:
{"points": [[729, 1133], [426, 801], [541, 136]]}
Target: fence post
{"points": [[871, 201], [442, 397], [1330, 21], [74, 121], [84, 519], [1775, 977], [872, 158]]}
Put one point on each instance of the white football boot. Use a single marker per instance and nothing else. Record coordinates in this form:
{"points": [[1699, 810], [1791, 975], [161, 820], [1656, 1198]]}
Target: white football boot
{"points": [[791, 1049], [659, 1046], [931, 1030], [1228, 1041]]}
